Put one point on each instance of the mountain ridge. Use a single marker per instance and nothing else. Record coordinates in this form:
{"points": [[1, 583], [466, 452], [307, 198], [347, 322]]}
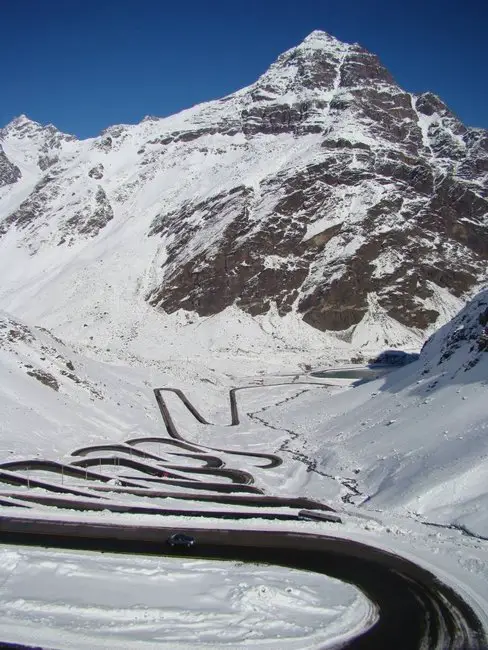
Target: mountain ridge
{"points": [[322, 190]]}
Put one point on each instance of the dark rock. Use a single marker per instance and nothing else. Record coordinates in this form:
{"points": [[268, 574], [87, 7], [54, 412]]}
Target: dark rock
{"points": [[97, 219], [97, 172], [44, 377], [9, 173], [32, 209], [385, 201], [44, 162]]}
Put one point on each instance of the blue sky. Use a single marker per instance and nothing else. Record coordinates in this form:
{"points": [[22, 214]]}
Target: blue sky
{"points": [[86, 64]]}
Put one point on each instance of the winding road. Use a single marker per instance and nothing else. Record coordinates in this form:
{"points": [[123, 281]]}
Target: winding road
{"points": [[416, 610]]}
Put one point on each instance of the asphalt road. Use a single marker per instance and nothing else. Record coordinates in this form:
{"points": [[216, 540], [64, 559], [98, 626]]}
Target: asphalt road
{"points": [[124, 448], [416, 610]]}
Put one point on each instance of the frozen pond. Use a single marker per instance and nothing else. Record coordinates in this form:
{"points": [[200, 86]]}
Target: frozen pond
{"points": [[353, 373]]}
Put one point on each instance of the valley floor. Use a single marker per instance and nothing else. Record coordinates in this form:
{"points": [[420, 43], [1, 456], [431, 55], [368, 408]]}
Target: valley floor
{"points": [[310, 424]]}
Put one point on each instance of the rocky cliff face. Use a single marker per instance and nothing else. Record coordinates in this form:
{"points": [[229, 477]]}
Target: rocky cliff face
{"points": [[399, 184], [9, 173], [324, 189]]}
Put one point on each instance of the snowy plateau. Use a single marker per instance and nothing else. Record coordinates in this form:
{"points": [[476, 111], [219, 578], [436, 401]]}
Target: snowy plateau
{"points": [[304, 223]]}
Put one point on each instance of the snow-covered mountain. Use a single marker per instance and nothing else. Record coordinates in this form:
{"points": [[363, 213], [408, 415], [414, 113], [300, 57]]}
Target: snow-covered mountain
{"points": [[322, 192]]}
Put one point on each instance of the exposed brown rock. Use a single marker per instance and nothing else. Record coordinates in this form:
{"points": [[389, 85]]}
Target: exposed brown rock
{"points": [[386, 199], [97, 172], [9, 173], [44, 377]]}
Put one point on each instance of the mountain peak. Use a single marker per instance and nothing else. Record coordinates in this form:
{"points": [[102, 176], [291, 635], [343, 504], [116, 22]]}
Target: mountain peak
{"points": [[21, 126], [24, 128], [319, 39], [320, 64], [19, 121], [317, 191]]}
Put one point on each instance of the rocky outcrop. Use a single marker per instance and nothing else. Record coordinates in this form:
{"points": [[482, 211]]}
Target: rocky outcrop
{"points": [[85, 219], [91, 219], [32, 210], [465, 338], [250, 268], [405, 243], [97, 172], [9, 173]]}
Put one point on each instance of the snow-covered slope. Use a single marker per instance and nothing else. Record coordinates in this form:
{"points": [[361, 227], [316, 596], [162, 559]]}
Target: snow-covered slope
{"points": [[53, 399], [417, 440], [95, 602], [323, 191]]}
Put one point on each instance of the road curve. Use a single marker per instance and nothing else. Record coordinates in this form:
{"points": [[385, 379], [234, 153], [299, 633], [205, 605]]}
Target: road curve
{"points": [[234, 475], [274, 460], [207, 460], [416, 610], [164, 473]]}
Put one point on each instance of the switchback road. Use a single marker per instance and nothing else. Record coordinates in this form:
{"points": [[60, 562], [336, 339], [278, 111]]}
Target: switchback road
{"points": [[416, 610]]}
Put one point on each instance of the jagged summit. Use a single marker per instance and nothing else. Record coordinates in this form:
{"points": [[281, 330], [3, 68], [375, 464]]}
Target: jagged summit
{"points": [[319, 39], [21, 123], [23, 126], [20, 119], [322, 64]]}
